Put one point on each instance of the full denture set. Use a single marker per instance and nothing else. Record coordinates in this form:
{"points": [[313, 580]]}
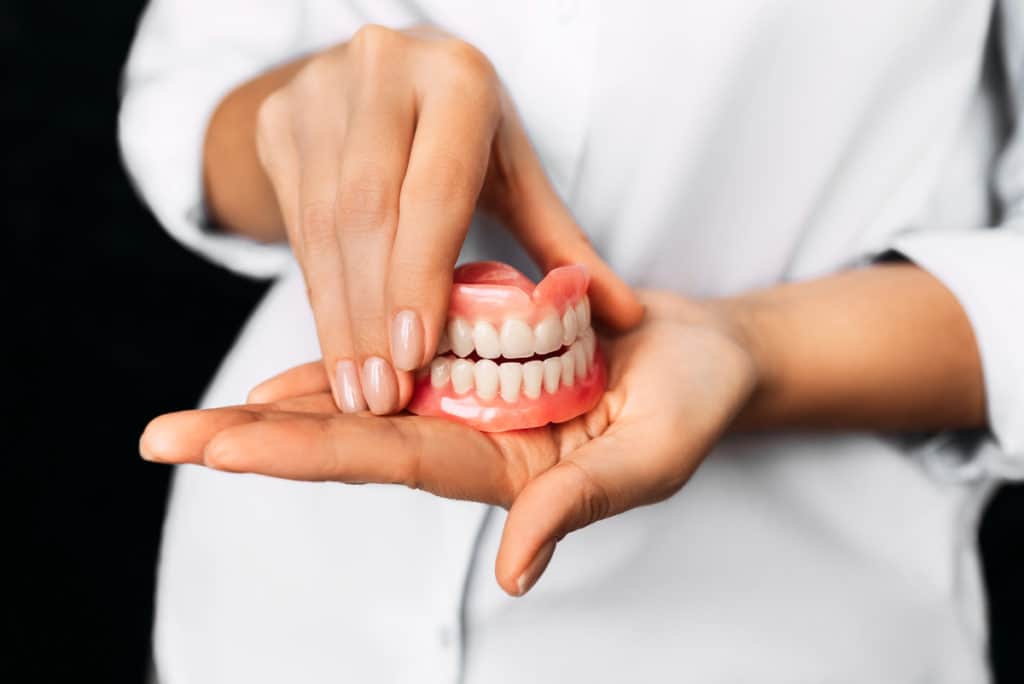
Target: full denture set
{"points": [[513, 354]]}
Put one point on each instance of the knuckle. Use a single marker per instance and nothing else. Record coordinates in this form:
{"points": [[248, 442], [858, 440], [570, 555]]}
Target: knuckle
{"points": [[366, 200], [372, 43], [466, 62], [592, 501], [314, 74]]}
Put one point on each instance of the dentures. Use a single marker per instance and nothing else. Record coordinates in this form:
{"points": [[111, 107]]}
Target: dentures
{"points": [[514, 355]]}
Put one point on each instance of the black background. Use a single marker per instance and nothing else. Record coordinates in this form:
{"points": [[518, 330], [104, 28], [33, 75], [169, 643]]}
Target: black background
{"points": [[113, 323]]}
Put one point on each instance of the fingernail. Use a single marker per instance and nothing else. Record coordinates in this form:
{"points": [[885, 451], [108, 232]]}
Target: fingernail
{"points": [[380, 386], [349, 396], [535, 568], [406, 340]]}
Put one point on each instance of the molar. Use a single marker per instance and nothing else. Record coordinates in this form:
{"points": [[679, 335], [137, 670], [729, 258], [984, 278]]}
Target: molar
{"points": [[510, 375], [485, 377], [485, 338], [547, 335], [462, 376], [533, 376], [440, 372], [569, 326], [552, 374], [516, 339], [460, 336]]}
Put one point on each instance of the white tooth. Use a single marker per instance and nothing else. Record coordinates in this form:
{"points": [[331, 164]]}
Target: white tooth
{"points": [[440, 372], [568, 363], [460, 335], [485, 339], [485, 376], [569, 327], [547, 335], [462, 376], [533, 376], [583, 312], [589, 344], [516, 339], [511, 376], [580, 362], [552, 374], [443, 345]]}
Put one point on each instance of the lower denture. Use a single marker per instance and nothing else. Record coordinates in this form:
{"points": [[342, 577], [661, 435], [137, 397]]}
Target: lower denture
{"points": [[514, 355]]}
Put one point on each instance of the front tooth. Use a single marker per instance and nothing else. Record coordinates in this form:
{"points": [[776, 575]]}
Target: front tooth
{"points": [[533, 376], [589, 344], [511, 377], [569, 326], [440, 372], [568, 363], [485, 339], [485, 376], [552, 374], [443, 344], [516, 339], [462, 376], [583, 312], [580, 362], [547, 335], [460, 335]]}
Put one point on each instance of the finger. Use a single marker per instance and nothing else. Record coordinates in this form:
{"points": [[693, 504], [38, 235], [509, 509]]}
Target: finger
{"points": [[604, 477], [446, 170], [308, 378], [548, 231], [180, 437], [374, 159], [319, 132], [435, 455]]}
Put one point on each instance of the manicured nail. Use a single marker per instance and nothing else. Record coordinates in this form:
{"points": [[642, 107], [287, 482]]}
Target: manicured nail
{"points": [[535, 568], [349, 396], [406, 340], [380, 387]]}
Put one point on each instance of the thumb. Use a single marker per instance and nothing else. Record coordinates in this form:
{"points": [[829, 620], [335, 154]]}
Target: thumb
{"points": [[549, 233], [560, 501]]}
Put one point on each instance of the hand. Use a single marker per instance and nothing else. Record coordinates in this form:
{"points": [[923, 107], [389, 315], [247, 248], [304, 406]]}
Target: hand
{"points": [[675, 384], [379, 151]]}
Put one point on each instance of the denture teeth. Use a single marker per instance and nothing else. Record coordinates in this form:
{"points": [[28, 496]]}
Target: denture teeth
{"points": [[582, 309], [444, 345], [580, 360], [485, 377], [552, 374], [547, 335], [460, 336], [533, 376], [485, 339], [440, 372], [462, 376], [510, 376], [516, 339], [589, 344], [569, 326], [568, 360]]}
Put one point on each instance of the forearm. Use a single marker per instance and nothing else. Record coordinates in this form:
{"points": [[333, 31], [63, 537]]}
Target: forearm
{"points": [[238, 192], [886, 348]]}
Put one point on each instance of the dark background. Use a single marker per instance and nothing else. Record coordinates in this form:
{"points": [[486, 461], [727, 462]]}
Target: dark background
{"points": [[114, 323]]}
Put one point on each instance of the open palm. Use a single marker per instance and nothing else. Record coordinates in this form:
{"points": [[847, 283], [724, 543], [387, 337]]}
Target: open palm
{"points": [[675, 383]]}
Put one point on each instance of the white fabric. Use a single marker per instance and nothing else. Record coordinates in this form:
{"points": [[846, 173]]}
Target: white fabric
{"points": [[707, 148]]}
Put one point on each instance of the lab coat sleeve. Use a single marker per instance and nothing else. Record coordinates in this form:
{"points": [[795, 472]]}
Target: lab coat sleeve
{"points": [[984, 269], [187, 55]]}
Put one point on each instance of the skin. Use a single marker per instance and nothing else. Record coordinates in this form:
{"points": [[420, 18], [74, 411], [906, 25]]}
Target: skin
{"points": [[886, 347], [370, 158]]}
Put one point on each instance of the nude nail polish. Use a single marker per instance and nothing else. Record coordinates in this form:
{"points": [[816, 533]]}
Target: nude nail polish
{"points": [[380, 386], [406, 340], [349, 396], [535, 568]]}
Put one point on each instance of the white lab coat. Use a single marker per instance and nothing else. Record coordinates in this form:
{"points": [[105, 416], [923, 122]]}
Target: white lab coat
{"points": [[707, 148]]}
